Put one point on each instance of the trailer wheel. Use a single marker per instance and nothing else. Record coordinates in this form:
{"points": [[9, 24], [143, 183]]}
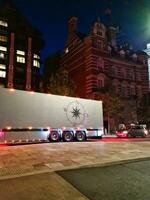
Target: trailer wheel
{"points": [[80, 136], [67, 136], [54, 136]]}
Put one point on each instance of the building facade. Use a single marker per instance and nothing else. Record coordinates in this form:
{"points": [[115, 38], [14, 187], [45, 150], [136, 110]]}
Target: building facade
{"points": [[20, 46], [94, 59]]}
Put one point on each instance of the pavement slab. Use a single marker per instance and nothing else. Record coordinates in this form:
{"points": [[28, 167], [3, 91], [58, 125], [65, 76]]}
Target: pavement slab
{"points": [[50, 157]]}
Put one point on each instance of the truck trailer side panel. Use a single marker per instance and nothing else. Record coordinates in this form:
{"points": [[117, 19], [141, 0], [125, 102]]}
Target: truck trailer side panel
{"points": [[22, 110], [25, 109]]}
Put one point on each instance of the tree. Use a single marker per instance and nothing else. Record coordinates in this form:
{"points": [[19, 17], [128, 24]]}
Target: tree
{"points": [[59, 83], [112, 105], [112, 108], [51, 66]]}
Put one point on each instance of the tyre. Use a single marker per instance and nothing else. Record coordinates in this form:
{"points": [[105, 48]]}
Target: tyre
{"points": [[54, 136], [80, 136], [67, 136]]}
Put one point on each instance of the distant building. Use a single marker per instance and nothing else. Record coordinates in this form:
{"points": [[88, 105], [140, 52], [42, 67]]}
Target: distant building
{"points": [[20, 46], [94, 58]]}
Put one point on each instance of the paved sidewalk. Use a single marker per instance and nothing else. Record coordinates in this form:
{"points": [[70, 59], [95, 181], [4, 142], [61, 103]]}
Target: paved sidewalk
{"points": [[31, 159], [40, 161]]}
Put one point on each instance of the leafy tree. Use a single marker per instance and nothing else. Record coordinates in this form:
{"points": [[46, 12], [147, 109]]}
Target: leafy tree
{"points": [[60, 84], [51, 66], [112, 105]]}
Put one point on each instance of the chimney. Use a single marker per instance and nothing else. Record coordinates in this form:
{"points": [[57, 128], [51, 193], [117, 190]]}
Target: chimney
{"points": [[72, 24]]}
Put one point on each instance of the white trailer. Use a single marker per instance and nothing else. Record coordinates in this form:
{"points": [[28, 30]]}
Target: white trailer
{"points": [[33, 117]]}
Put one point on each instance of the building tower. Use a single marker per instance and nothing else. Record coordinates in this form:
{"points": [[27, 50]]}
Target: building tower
{"points": [[20, 46]]}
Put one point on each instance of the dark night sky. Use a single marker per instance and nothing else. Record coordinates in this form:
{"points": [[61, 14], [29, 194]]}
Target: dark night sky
{"points": [[51, 17]]}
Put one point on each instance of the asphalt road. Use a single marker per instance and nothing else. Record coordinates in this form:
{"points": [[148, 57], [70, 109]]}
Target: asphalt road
{"points": [[126, 181]]}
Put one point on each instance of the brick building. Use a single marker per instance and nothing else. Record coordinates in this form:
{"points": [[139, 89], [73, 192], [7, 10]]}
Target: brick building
{"points": [[20, 46], [95, 58]]}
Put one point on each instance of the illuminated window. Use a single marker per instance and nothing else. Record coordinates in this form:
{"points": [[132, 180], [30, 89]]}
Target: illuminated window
{"points": [[20, 52], [36, 56], [2, 74], [2, 55], [20, 59], [3, 23], [20, 56], [2, 66], [3, 38], [36, 63], [2, 48], [66, 50], [3, 52]]}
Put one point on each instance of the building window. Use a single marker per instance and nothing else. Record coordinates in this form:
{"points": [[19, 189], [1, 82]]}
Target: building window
{"points": [[36, 56], [20, 59], [113, 71], [2, 66], [138, 76], [19, 52], [129, 74], [119, 72], [2, 48], [119, 89], [97, 44], [132, 90], [67, 50], [20, 56], [3, 23], [2, 55], [36, 60], [3, 38], [99, 32], [36, 63], [3, 51], [100, 83], [2, 74], [123, 91]]}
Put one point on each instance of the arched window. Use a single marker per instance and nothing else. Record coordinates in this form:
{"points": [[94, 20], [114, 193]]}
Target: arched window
{"points": [[100, 82]]}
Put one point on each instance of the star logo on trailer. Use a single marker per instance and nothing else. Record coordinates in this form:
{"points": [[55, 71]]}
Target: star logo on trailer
{"points": [[76, 113]]}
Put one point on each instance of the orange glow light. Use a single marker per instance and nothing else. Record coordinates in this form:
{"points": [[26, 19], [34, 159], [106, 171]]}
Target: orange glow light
{"points": [[9, 127], [12, 89]]}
